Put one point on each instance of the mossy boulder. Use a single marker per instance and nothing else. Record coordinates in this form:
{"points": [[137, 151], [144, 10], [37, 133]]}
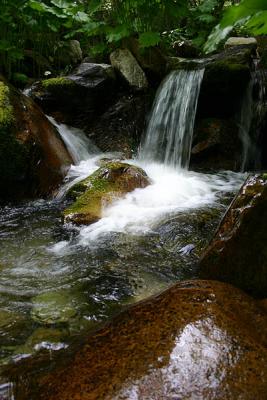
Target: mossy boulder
{"points": [[100, 189], [238, 253], [86, 92], [33, 158]]}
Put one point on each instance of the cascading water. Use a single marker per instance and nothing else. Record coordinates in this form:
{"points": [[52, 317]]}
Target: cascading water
{"points": [[59, 282], [251, 120], [170, 131], [79, 146]]}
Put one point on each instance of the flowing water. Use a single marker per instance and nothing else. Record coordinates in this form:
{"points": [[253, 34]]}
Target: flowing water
{"points": [[170, 130], [59, 281], [251, 120]]}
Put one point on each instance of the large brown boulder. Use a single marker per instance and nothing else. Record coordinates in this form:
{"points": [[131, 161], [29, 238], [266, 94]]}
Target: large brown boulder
{"points": [[33, 158], [108, 183], [238, 253], [197, 340]]}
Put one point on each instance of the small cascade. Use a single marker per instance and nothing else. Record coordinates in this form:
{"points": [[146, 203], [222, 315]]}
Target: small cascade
{"points": [[170, 131], [252, 115], [246, 115], [79, 146]]}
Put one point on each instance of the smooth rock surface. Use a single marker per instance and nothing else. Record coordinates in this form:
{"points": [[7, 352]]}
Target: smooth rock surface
{"points": [[238, 254], [197, 340], [33, 158], [126, 64]]}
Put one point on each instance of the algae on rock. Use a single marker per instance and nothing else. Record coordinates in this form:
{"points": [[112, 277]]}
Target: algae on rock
{"points": [[108, 183]]}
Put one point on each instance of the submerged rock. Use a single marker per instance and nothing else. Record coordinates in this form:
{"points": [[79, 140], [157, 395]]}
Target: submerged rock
{"points": [[198, 339], [53, 308], [33, 158], [11, 325], [123, 61], [238, 254], [100, 189]]}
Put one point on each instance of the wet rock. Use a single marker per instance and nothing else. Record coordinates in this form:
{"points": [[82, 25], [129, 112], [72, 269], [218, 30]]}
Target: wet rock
{"points": [[68, 54], [185, 48], [92, 75], [151, 60], [250, 42], [84, 94], [100, 189], [216, 144], [237, 254], [225, 80], [124, 62], [42, 338], [33, 158], [11, 325], [53, 308], [120, 128], [198, 339]]}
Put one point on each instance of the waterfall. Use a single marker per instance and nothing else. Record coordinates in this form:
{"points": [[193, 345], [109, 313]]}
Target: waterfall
{"points": [[251, 120], [246, 115], [170, 129], [79, 146]]}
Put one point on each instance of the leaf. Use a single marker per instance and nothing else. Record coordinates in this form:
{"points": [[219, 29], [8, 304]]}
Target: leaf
{"points": [[149, 39], [258, 23], [37, 6], [117, 33], [249, 13]]}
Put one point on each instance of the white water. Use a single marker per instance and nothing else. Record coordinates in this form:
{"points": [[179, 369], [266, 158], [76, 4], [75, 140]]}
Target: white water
{"points": [[79, 146], [173, 189], [170, 131], [246, 116]]}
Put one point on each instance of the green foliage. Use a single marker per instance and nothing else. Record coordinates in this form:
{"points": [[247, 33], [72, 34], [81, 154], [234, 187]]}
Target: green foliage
{"points": [[203, 17], [249, 14], [32, 31]]}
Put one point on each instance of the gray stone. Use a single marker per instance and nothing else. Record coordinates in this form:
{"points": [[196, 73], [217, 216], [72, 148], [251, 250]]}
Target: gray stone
{"points": [[241, 41], [126, 64]]}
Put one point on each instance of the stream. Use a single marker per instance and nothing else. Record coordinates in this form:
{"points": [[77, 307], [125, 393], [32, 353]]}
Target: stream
{"points": [[58, 281]]}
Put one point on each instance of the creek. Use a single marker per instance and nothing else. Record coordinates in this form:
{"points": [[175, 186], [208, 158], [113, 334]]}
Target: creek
{"points": [[58, 282]]}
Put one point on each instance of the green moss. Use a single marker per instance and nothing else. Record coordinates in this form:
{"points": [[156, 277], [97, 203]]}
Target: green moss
{"points": [[225, 66], [110, 181], [6, 109], [95, 189], [55, 82]]}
